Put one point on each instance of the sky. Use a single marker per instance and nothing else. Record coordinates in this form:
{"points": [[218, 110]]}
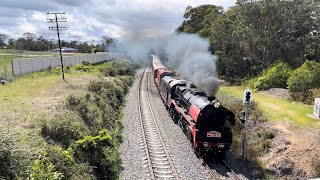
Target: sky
{"points": [[88, 20]]}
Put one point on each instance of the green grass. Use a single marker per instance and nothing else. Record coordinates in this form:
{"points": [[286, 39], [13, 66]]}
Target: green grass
{"points": [[25, 88], [276, 109], [31, 99], [6, 55]]}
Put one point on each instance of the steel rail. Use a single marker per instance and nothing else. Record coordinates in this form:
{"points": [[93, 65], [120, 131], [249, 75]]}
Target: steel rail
{"points": [[159, 160]]}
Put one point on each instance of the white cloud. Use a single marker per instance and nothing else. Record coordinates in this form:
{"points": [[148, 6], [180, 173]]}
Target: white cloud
{"points": [[90, 19], [25, 26]]}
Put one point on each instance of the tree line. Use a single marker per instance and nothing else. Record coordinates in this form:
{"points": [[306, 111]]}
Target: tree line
{"points": [[251, 36], [31, 42]]}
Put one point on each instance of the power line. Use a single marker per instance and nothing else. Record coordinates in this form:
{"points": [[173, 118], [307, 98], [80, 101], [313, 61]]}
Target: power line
{"points": [[58, 29]]}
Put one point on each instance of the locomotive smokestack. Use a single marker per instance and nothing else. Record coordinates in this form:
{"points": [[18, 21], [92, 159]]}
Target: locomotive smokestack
{"points": [[211, 98]]}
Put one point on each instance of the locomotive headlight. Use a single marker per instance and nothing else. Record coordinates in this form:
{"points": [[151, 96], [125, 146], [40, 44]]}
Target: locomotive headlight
{"points": [[216, 104], [205, 144]]}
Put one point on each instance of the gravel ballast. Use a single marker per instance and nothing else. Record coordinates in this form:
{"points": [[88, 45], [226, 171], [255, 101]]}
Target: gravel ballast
{"points": [[131, 153], [133, 156]]}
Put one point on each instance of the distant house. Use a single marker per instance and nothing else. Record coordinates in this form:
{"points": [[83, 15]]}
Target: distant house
{"points": [[67, 50]]}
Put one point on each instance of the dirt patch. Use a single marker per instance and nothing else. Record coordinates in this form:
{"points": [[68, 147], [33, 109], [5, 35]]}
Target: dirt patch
{"points": [[272, 106], [277, 92], [292, 153]]}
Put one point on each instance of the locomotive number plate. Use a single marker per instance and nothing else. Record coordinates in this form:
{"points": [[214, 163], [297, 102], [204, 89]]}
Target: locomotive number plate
{"points": [[214, 134]]}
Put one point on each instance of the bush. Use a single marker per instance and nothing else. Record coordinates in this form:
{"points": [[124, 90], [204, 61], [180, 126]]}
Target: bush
{"points": [[14, 158], [83, 68], [306, 97], [67, 69], [275, 77], [85, 63], [72, 102], [109, 71], [259, 142], [96, 150], [94, 50], [119, 67], [63, 130], [305, 77], [43, 169], [304, 83], [64, 162]]}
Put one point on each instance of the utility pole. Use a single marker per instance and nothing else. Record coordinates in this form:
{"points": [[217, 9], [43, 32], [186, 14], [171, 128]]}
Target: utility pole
{"points": [[58, 29]]}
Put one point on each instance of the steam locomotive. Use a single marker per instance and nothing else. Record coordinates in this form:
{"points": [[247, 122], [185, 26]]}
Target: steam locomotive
{"points": [[207, 124]]}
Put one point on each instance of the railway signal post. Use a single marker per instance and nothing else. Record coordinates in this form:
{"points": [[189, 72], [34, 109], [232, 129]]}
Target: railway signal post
{"points": [[247, 98]]}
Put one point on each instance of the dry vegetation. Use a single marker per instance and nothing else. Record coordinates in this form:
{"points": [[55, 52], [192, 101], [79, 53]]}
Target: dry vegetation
{"points": [[283, 140], [44, 136]]}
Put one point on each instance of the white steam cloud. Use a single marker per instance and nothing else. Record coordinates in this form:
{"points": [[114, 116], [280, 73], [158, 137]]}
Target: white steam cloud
{"points": [[186, 52]]}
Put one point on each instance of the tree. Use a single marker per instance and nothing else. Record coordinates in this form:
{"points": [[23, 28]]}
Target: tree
{"points": [[41, 44], [199, 19], [11, 42], [20, 44], [30, 41], [250, 36], [3, 38], [270, 30], [106, 43]]}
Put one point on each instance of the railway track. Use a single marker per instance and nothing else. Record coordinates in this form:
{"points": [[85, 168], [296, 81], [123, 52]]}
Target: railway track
{"points": [[159, 161], [213, 175]]}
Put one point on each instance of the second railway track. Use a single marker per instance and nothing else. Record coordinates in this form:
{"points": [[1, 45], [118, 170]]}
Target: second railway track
{"points": [[159, 161]]}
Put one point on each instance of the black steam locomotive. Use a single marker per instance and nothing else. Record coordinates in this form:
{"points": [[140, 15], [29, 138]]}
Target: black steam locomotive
{"points": [[207, 124]]}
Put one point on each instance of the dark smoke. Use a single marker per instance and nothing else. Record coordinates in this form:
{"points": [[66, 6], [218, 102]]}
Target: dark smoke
{"points": [[186, 52]]}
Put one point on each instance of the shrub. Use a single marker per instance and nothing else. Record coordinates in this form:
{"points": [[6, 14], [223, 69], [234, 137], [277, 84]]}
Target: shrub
{"points": [[67, 69], [119, 67], [94, 50], [95, 86], [305, 77], [304, 83], [274, 77], [83, 68], [43, 169], [85, 63], [63, 130], [259, 142], [72, 102], [96, 150], [306, 96], [14, 158], [64, 162], [109, 71], [88, 108]]}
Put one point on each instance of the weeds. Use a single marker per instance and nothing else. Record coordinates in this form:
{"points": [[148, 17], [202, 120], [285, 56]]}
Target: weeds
{"points": [[97, 112], [63, 130], [316, 166], [259, 142], [14, 157]]}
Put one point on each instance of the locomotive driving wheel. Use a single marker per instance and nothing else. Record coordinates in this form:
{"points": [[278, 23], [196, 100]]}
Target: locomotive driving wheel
{"points": [[189, 134], [180, 121], [197, 152]]}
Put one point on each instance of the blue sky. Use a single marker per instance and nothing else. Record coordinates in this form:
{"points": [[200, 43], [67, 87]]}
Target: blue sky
{"points": [[88, 20]]}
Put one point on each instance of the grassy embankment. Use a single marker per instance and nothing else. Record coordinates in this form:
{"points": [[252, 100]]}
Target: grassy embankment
{"points": [[276, 109], [64, 121]]}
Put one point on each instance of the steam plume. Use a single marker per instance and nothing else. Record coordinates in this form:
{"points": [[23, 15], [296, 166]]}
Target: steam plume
{"points": [[185, 52]]}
